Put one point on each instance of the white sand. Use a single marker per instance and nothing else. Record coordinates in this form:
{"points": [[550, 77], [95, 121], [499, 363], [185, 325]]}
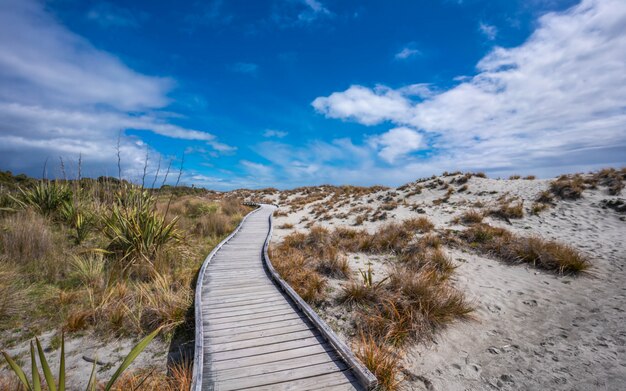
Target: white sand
{"points": [[109, 353], [533, 330]]}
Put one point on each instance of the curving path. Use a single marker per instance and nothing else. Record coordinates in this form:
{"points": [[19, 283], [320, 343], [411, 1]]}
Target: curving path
{"points": [[249, 332]]}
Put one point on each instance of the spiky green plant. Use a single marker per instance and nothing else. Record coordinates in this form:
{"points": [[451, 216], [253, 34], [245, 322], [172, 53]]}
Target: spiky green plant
{"points": [[80, 221], [46, 196], [59, 385], [136, 230]]}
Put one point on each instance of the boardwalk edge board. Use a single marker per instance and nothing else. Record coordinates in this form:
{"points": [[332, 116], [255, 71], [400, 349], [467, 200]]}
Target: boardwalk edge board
{"points": [[198, 357], [363, 375]]}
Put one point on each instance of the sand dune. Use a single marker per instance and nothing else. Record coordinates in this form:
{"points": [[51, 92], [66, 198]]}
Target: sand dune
{"points": [[532, 329]]}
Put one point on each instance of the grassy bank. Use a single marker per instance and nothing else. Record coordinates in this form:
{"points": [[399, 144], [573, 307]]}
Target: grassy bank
{"points": [[103, 256]]}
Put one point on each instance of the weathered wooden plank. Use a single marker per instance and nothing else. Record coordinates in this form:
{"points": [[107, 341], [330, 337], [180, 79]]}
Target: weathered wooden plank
{"points": [[321, 382], [260, 341], [250, 311], [213, 327], [244, 362], [277, 347], [269, 298], [259, 333], [275, 366], [276, 377], [269, 314], [234, 331], [243, 305], [240, 291]]}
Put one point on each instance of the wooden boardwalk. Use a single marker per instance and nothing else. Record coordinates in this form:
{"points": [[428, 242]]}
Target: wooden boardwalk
{"points": [[253, 334]]}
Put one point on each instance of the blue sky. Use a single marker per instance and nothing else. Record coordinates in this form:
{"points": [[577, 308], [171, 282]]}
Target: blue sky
{"points": [[286, 93]]}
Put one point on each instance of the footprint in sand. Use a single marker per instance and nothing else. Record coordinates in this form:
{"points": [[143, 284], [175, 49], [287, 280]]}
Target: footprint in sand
{"points": [[531, 303]]}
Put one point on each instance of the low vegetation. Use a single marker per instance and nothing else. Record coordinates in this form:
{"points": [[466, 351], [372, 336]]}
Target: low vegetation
{"points": [[37, 384], [106, 256], [512, 248], [409, 305]]}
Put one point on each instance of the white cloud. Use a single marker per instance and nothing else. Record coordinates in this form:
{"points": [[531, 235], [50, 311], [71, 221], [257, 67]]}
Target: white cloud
{"points": [[364, 105], [556, 100], [274, 133], [396, 143], [61, 96], [406, 53], [488, 30]]}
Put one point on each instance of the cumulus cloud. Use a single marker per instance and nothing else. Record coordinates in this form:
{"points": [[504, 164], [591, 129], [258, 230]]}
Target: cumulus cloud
{"points": [[556, 100], [364, 105], [61, 96], [396, 143]]}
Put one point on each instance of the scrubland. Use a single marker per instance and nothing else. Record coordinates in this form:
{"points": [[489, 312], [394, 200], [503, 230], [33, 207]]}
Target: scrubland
{"points": [[104, 262]]}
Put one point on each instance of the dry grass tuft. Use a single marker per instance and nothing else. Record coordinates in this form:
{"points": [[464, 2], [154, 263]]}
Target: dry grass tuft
{"points": [[355, 292], [381, 361], [508, 209], [568, 187], [164, 303], [541, 253], [336, 266], [472, 216], [13, 293], [420, 224], [299, 272], [538, 207], [146, 379], [25, 237]]}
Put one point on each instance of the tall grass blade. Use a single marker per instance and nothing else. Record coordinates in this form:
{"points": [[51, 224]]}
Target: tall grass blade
{"points": [[131, 357], [45, 367], [91, 386], [18, 371], [62, 365], [34, 369]]}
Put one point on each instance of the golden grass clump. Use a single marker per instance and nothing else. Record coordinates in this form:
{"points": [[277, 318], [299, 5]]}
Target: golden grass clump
{"points": [[336, 266], [508, 209], [299, 272], [568, 187], [26, 237], [164, 303], [472, 216], [541, 253], [381, 361], [178, 378], [356, 292], [538, 207], [420, 224], [13, 293]]}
